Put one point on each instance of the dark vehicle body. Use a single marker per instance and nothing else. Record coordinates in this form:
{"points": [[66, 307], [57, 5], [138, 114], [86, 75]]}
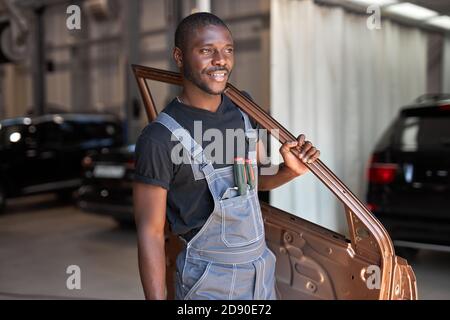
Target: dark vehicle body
{"points": [[409, 176], [107, 184], [43, 153]]}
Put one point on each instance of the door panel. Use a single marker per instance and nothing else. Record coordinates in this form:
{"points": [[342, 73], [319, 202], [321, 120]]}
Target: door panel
{"points": [[314, 262]]}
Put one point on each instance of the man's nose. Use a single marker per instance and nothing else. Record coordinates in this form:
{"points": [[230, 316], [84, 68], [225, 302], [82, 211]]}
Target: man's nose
{"points": [[219, 59]]}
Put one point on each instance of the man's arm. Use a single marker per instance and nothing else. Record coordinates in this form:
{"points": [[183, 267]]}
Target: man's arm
{"points": [[292, 167], [150, 216]]}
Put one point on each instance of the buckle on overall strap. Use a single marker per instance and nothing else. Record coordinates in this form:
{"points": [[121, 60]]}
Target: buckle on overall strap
{"points": [[251, 134], [197, 154], [207, 168], [199, 158]]}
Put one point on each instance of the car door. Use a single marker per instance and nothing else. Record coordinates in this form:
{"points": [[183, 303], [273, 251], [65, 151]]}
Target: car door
{"points": [[312, 262], [42, 156]]}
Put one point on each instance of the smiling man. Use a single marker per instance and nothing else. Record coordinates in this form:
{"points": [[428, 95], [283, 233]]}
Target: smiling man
{"points": [[210, 202]]}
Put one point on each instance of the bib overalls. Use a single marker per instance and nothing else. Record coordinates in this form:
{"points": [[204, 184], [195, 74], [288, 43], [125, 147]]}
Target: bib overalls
{"points": [[228, 258]]}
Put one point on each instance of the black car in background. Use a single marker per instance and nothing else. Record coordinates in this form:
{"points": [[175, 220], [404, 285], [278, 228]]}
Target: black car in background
{"points": [[409, 176], [107, 184], [43, 153]]}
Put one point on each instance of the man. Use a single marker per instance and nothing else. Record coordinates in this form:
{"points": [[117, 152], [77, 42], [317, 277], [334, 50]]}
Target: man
{"points": [[225, 256]]}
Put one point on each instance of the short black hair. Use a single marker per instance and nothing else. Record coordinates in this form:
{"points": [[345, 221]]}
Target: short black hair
{"points": [[193, 22]]}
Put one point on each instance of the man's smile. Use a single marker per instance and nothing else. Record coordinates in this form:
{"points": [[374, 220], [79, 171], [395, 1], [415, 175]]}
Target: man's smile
{"points": [[219, 75]]}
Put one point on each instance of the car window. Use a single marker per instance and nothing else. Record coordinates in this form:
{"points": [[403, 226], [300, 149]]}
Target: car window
{"points": [[79, 132], [387, 138], [306, 206], [424, 133]]}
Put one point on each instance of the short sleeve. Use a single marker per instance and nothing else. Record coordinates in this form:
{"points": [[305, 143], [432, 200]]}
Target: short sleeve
{"points": [[153, 163]]}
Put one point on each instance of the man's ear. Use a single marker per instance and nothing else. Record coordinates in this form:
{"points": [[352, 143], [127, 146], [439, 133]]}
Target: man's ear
{"points": [[178, 56]]}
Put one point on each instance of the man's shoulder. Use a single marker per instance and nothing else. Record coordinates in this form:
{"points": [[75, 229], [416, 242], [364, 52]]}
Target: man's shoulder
{"points": [[155, 130], [155, 133]]}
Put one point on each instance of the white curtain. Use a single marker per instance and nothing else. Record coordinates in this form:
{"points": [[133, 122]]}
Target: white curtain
{"points": [[341, 84], [446, 66]]}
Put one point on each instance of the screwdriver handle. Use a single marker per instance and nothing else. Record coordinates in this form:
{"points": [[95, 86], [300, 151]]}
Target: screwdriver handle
{"points": [[251, 180], [240, 176]]}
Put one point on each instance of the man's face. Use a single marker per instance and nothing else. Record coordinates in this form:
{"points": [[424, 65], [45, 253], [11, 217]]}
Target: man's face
{"points": [[208, 58]]}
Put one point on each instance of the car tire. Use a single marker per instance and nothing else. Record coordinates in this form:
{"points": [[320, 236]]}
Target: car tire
{"points": [[2, 200], [126, 223], [65, 196]]}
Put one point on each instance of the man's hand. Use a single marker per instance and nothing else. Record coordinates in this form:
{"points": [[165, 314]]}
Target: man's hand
{"points": [[307, 154]]}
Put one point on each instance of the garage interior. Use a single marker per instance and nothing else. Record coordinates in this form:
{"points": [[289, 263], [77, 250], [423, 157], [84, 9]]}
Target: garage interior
{"points": [[316, 66]]}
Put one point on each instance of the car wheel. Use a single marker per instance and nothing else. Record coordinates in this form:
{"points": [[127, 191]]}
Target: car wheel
{"points": [[406, 253], [126, 223]]}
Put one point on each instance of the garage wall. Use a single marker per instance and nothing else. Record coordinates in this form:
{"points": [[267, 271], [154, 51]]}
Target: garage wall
{"points": [[87, 69], [249, 22], [446, 66], [341, 84], [58, 57]]}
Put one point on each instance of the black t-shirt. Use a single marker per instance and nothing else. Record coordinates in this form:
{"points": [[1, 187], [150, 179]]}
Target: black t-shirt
{"points": [[189, 202]]}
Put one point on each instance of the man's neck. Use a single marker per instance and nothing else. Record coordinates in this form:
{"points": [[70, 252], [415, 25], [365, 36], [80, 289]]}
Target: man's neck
{"points": [[195, 97]]}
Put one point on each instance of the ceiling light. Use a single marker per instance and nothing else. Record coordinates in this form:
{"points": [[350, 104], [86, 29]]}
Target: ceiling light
{"points": [[374, 2], [411, 11], [441, 22]]}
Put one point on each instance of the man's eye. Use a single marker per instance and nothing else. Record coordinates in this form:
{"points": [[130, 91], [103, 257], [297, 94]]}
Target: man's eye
{"points": [[229, 50], [205, 51]]}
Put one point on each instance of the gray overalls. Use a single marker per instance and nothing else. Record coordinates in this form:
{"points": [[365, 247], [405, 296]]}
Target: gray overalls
{"points": [[228, 258]]}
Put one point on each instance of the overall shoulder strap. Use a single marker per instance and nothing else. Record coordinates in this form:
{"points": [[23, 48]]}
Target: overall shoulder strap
{"points": [[251, 135], [195, 151], [247, 124]]}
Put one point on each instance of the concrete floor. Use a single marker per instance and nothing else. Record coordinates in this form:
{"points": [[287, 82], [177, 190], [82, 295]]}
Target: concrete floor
{"points": [[40, 238]]}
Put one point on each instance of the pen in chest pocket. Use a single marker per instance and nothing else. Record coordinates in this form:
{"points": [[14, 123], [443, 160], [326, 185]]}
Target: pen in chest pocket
{"points": [[251, 180]]}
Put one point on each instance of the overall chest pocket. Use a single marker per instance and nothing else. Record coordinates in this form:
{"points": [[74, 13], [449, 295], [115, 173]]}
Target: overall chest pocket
{"points": [[241, 220]]}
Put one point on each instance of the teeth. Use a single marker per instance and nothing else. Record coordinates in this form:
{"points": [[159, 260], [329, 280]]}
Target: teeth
{"points": [[218, 76]]}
